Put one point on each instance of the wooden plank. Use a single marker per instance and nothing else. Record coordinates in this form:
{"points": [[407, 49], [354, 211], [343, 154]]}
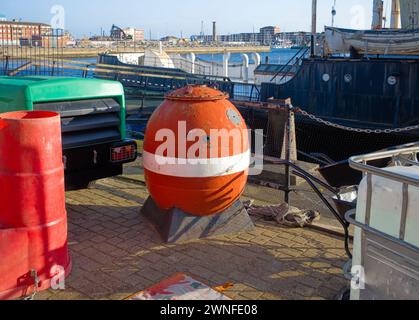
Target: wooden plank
{"points": [[21, 68], [275, 105]]}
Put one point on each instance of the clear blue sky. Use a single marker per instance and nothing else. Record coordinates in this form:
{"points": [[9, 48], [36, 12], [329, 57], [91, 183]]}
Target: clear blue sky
{"points": [[166, 17]]}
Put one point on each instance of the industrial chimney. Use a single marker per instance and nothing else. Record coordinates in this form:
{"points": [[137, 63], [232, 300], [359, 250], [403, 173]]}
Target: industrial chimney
{"points": [[313, 27], [214, 31], [395, 14], [377, 14]]}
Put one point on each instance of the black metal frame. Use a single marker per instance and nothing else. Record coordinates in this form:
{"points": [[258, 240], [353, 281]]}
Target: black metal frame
{"points": [[30, 56], [311, 180]]}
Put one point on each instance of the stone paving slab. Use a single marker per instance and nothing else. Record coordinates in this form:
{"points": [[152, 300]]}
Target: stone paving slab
{"points": [[116, 252]]}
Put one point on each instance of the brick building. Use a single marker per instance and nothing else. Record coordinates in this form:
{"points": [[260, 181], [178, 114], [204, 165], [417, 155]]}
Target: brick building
{"points": [[18, 33]]}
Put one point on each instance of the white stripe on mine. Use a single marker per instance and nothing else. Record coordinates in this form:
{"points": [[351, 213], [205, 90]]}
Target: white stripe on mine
{"points": [[196, 168]]}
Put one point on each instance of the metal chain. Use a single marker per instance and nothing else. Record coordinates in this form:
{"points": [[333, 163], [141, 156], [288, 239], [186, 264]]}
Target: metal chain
{"points": [[359, 130]]}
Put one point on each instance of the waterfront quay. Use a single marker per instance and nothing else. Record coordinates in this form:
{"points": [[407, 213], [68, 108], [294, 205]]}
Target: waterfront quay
{"points": [[116, 252], [80, 52]]}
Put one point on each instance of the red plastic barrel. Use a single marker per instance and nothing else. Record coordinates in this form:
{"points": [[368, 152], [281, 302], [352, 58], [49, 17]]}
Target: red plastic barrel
{"points": [[33, 220]]}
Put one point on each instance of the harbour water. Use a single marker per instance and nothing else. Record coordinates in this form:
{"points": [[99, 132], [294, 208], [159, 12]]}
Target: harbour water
{"points": [[275, 56]]}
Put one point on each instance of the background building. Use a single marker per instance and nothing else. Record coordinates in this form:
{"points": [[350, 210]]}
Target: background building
{"points": [[170, 39], [135, 34], [132, 34], [299, 38], [265, 36], [33, 34]]}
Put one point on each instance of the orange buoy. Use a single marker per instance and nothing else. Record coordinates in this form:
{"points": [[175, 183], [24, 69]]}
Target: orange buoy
{"points": [[196, 152], [33, 222]]}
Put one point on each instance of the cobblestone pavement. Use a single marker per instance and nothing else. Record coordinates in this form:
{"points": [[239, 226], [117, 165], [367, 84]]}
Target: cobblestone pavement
{"points": [[116, 252]]}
